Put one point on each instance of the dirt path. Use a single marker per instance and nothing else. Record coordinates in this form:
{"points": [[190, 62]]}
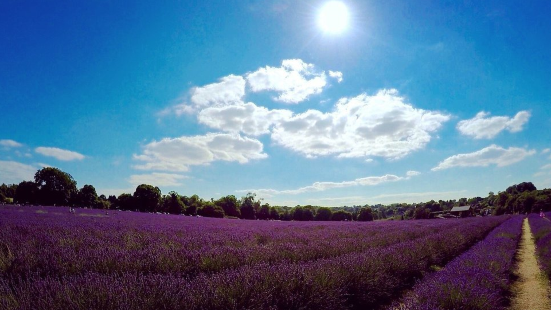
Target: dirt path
{"points": [[531, 289]]}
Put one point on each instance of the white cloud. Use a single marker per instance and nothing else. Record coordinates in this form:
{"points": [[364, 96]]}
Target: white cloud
{"points": [[177, 154], [544, 171], [336, 75], [9, 143], [59, 154], [178, 110], [413, 173], [229, 90], [247, 118], [323, 186], [545, 151], [290, 80], [387, 198], [484, 127], [491, 155], [12, 172], [381, 125], [156, 179]]}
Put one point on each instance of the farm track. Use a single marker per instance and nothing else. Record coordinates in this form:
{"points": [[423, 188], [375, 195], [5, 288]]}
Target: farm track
{"points": [[531, 290]]}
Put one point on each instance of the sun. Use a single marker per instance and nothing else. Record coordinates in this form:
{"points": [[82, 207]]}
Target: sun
{"points": [[333, 17]]}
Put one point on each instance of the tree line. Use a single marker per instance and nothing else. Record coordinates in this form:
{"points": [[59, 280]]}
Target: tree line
{"points": [[51, 186]]}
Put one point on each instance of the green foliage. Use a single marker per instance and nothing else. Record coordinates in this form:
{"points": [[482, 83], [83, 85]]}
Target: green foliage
{"points": [[55, 187], [247, 207], [230, 205], [341, 215], [87, 196], [274, 214], [421, 213], [125, 202], [366, 214], [193, 204], [209, 209], [147, 198], [264, 212], [323, 214], [173, 204]]}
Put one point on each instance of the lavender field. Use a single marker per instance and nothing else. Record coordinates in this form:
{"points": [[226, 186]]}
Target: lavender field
{"points": [[51, 258]]}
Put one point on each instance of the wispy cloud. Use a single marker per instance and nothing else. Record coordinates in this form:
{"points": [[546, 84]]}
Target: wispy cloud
{"points": [[15, 172], [7, 143], [60, 154], [323, 186], [386, 198], [484, 127], [491, 155]]}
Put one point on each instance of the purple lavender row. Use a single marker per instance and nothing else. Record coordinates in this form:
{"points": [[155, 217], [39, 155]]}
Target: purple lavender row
{"points": [[364, 280], [50, 242], [478, 279], [541, 230]]}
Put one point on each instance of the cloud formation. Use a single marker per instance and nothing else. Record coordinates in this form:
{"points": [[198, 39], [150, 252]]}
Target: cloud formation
{"points": [[244, 117], [156, 179], [9, 143], [12, 172], [491, 155], [484, 127], [383, 125], [323, 186], [295, 80], [229, 90], [177, 154], [59, 154]]}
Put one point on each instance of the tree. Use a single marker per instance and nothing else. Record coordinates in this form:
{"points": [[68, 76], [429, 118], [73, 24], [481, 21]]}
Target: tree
{"points": [[421, 213], [173, 204], [274, 214], [341, 215], [193, 203], [87, 196], [247, 207], [147, 198], [264, 212], [55, 187], [323, 214], [366, 214], [230, 205], [209, 209], [125, 202]]}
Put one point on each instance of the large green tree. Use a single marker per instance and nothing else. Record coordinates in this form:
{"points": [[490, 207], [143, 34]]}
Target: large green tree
{"points": [[366, 214], [173, 204], [87, 196], [247, 207], [55, 187], [26, 193], [230, 205], [323, 214], [147, 198]]}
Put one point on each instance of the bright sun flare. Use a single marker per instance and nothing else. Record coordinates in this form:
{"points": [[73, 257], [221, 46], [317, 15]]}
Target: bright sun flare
{"points": [[333, 17]]}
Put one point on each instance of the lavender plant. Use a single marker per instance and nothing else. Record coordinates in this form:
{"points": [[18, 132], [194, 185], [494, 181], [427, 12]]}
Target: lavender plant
{"points": [[476, 280], [50, 258]]}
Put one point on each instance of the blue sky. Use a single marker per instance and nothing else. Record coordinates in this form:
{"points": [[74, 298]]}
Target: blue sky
{"points": [[414, 100]]}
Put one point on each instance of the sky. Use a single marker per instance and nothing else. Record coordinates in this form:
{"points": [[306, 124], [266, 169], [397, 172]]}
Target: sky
{"points": [[385, 102]]}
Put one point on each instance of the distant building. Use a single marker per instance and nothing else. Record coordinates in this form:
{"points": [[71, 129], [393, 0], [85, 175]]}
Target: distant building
{"points": [[462, 211]]}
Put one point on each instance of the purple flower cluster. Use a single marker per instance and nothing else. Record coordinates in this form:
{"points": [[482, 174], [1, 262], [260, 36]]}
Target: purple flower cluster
{"points": [[50, 258], [541, 229], [476, 280]]}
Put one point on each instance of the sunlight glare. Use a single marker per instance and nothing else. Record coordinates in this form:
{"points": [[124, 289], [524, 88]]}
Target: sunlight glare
{"points": [[333, 17]]}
